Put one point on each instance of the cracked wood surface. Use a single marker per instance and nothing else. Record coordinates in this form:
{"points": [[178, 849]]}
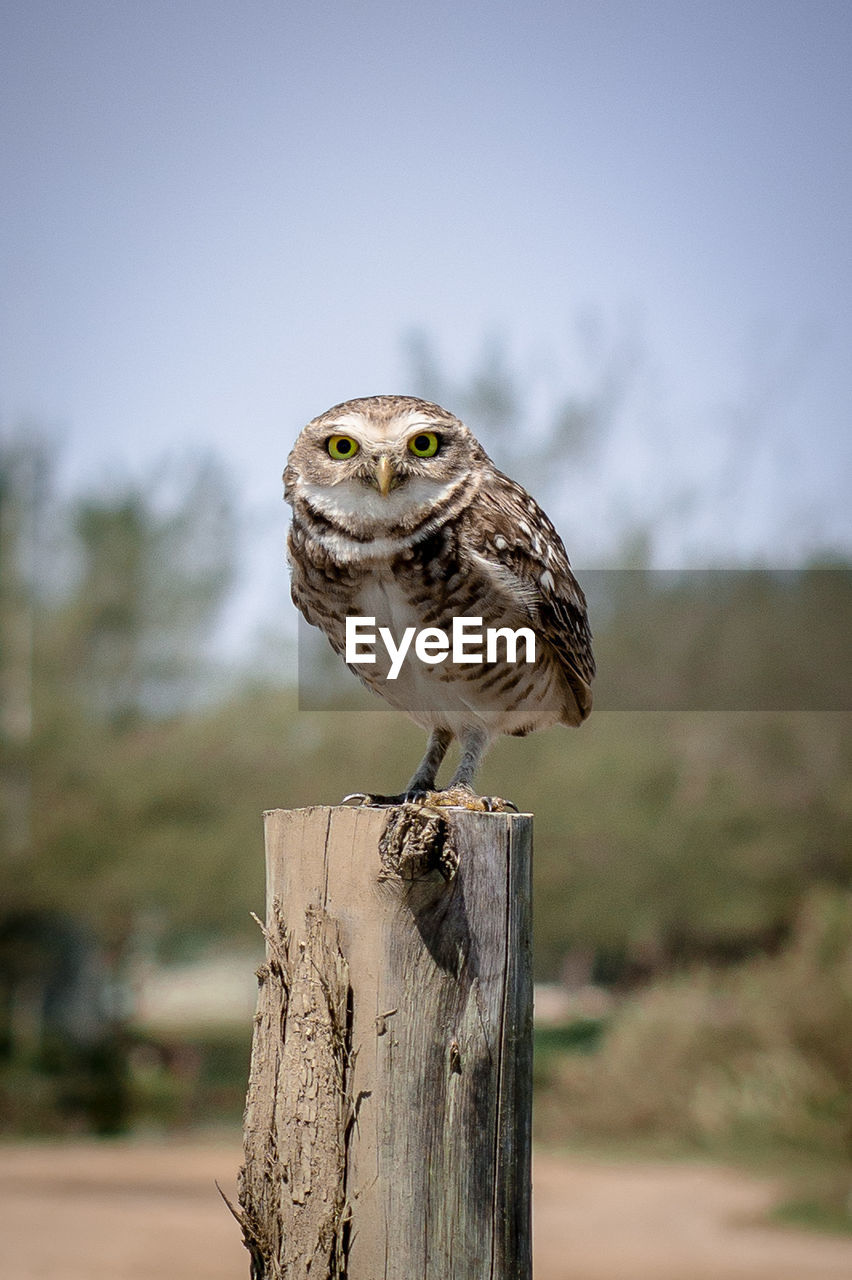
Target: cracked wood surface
{"points": [[292, 1185], [388, 1117]]}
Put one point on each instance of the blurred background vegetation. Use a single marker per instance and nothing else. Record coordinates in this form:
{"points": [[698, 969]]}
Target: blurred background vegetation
{"points": [[693, 868]]}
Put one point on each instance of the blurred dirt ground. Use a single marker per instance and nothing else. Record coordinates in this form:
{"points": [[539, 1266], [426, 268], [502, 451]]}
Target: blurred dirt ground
{"points": [[150, 1211]]}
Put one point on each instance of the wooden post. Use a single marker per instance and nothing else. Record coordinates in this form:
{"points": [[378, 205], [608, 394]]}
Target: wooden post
{"points": [[387, 1126]]}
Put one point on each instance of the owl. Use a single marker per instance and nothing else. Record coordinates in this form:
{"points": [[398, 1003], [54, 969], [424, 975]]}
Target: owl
{"points": [[400, 516]]}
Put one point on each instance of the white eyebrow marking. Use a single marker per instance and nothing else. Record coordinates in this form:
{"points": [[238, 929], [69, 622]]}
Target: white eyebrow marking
{"points": [[389, 433]]}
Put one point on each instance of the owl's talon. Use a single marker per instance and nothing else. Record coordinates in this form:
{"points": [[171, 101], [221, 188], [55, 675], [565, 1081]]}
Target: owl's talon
{"points": [[495, 804], [361, 799]]}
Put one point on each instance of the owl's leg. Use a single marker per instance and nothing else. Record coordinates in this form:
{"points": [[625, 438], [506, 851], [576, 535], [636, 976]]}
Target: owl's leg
{"points": [[423, 782], [427, 770], [473, 749], [459, 793]]}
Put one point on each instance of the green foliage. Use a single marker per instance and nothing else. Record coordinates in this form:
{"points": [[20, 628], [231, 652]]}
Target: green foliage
{"points": [[548, 437], [93, 661], [821, 1204], [551, 1043], [198, 1080], [66, 1088], [152, 581], [737, 1060], [665, 836]]}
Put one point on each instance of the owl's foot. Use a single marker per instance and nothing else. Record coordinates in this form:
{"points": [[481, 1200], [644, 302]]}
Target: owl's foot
{"points": [[363, 798], [461, 797]]}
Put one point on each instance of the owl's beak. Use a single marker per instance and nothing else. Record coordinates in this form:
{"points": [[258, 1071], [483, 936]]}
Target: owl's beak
{"points": [[384, 475]]}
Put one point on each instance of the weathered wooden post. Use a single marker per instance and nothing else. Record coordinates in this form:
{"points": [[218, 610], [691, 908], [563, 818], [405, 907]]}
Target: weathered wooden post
{"points": [[387, 1127]]}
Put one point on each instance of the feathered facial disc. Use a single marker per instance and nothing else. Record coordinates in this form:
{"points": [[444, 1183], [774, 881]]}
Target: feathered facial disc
{"points": [[379, 463]]}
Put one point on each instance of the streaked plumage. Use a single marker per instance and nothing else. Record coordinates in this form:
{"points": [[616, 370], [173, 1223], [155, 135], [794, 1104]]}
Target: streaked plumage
{"points": [[416, 541]]}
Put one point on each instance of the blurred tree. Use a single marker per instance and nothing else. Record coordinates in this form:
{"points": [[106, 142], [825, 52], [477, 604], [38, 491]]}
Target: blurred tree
{"points": [[24, 489], [103, 641], [151, 584], [548, 437], [535, 426]]}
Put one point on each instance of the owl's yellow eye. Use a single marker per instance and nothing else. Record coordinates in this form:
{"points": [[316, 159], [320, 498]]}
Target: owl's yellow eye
{"points": [[424, 444], [342, 447]]}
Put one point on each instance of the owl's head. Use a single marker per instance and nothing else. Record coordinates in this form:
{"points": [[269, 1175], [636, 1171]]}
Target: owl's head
{"points": [[380, 463]]}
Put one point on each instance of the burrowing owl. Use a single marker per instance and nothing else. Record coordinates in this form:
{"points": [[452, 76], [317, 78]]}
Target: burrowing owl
{"points": [[399, 515]]}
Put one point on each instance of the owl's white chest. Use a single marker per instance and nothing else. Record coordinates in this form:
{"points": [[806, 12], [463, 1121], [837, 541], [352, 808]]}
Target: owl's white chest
{"points": [[440, 694], [381, 597], [417, 689]]}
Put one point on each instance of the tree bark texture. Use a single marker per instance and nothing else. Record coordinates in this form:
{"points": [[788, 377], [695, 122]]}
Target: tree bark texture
{"points": [[387, 1127]]}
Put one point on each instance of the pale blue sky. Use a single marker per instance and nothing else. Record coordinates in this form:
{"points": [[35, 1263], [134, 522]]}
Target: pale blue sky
{"points": [[220, 218]]}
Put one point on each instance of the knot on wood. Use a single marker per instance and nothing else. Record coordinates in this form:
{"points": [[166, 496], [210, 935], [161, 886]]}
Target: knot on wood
{"points": [[416, 841]]}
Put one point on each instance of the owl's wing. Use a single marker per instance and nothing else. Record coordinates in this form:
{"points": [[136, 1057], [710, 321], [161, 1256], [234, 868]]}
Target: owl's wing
{"points": [[315, 589], [518, 546]]}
